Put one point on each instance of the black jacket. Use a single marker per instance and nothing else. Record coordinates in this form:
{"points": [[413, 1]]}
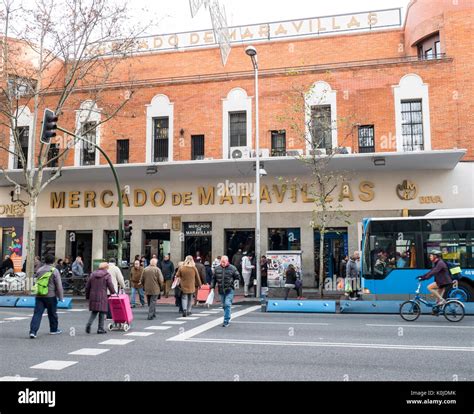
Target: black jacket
{"points": [[225, 278], [291, 276], [167, 268]]}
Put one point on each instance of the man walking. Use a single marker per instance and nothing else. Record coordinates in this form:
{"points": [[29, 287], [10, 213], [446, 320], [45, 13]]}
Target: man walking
{"points": [[152, 281], [352, 276], [225, 276], [167, 269], [49, 290]]}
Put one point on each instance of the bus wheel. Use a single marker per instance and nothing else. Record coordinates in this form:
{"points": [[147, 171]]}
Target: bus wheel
{"points": [[463, 292]]}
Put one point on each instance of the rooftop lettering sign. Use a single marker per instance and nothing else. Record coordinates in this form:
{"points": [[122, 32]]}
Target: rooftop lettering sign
{"points": [[309, 27]]}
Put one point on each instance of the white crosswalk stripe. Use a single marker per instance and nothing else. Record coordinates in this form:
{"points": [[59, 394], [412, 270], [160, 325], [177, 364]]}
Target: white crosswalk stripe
{"points": [[173, 323], [139, 334], [117, 342], [89, 351], [17, 378], [159, 328], [54, 365]]}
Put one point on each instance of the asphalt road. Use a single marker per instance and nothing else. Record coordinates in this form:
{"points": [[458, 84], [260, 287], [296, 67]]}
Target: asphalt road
{"points": [[256, 346]]}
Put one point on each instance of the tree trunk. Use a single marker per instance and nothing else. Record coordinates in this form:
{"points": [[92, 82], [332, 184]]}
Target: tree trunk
{"points": [[321, 263], [31, 242]]}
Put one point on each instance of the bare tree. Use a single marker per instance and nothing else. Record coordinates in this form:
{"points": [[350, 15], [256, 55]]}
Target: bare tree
{"points": [[59, 54], [313, 126]]}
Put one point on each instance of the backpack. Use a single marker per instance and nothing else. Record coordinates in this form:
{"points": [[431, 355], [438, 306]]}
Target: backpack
{"points": [[454, 269], [40, 288]]}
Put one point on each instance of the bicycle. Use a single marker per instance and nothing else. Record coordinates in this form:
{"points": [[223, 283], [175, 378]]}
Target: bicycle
{"points": [[452, 309]]}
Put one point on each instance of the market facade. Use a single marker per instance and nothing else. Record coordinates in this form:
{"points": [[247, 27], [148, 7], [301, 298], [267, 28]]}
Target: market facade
{"points": [[399, 98]]}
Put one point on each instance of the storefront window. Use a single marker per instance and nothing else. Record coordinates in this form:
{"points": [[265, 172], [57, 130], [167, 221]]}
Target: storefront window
{"points": [[157, 243], [284, 239], [45, 243]]}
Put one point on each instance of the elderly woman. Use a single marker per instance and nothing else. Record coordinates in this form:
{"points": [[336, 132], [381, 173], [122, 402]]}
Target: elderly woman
{"points": [[189, 282], [96, 292]]}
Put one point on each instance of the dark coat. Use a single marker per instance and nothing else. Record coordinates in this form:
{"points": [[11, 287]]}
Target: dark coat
{"points": [[225, 278], [208, 274], [167, 269], [96, 290], [291, 276], [6, 265], [202, 272], [441, 274]]}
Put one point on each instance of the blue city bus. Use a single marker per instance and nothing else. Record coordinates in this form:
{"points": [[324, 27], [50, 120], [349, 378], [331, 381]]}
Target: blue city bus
{"points": [[395, 251]]}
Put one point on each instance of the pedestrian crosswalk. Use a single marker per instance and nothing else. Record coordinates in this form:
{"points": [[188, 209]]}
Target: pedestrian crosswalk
{"points": [[59, 365]]}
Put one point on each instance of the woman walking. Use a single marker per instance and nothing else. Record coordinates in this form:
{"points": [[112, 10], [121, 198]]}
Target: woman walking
{"points": [[96, 293], [189, 282]]}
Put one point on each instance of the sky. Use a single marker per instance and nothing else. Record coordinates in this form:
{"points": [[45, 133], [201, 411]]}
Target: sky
{"points": [[173, 16]]}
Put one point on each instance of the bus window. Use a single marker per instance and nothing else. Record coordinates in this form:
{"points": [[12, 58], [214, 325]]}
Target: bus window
{"points": [[393, 251], [454, 247]]}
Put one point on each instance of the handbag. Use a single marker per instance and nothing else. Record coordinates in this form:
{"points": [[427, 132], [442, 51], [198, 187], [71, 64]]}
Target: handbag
{"points": [[298, 284], [176, 283]]}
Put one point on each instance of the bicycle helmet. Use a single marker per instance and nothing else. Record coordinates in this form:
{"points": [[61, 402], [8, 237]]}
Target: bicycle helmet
{"points": [[436, 253]]}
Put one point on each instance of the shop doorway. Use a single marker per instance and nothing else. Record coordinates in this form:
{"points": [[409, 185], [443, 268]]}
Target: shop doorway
{"points": [[157, 242], [79, 243], [239, 239], [335, 249], [198, 240]]}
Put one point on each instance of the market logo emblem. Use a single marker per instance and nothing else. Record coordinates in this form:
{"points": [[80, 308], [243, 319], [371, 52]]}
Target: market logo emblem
{"points": [[407, 190], [37, 397]]}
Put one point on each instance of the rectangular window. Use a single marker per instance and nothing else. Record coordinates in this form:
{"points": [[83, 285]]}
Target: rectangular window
{"points": [[437, 49], [454, 247], [53, 152], [160, 139], [23, 138], [123, 149], [366, 139], [45, 243], [429, 54], [89, 133], [321, 127], [284, 239], [238, 129], [412, 125], [278, 143], [197, 147]]}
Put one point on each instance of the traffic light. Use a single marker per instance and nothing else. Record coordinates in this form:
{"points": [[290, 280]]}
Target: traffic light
{"points": [[48, 130], [127, 229]]}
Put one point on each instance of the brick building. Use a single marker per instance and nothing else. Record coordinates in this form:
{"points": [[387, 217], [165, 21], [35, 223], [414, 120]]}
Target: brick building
{"points": [[399, 99]]}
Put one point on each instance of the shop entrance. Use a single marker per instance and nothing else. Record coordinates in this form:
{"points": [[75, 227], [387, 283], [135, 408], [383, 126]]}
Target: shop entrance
{"points": [[79, 243], [157, 242], [239, 239], [198, 240], [335, 249]]}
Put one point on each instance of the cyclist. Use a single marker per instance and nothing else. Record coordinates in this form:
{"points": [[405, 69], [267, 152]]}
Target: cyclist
{"points": [[442, 277]]}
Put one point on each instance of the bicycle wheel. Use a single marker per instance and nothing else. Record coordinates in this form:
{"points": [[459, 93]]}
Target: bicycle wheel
{"points": [[410, 311], [453, 311]]}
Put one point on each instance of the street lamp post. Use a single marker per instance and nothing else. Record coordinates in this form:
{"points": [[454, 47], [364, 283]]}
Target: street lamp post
{"points": [[252, 53]]}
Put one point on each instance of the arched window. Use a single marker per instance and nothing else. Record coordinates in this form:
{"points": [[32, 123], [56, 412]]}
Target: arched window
{"points": [[87, 120], [159, 130], [321, 117], [237, 123], [412, 114]]}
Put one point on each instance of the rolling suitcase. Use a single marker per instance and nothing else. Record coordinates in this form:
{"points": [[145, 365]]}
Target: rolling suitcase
{"points": [[203, 293], [121, 312]]}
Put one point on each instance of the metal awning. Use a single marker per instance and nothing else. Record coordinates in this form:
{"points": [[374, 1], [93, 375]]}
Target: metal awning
{"points": [[274, 166]]}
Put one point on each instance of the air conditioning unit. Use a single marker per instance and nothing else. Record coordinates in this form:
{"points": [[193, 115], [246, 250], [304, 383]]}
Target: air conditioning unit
{"points": [[318, 152], [294, 153], [239, 153], [264, 153]]}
